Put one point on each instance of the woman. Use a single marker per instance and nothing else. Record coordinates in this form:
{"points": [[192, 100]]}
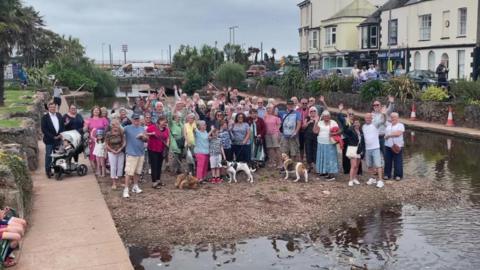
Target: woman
{"points": [[354, 140], [95, 122], [394, 148], [218, 119], [327, 163], [272, 137], [201, 150], [188, 130], [115, 143], [157, 143], [73, 121], [177, 141], [240, 131], [257, 140], [310, 137], [104, 113]]}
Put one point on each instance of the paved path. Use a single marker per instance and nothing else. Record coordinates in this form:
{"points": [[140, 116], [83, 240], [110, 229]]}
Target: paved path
{"points": [[421, 125], [71, 227]]}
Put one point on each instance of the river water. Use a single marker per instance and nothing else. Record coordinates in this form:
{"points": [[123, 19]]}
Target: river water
{"points": [[398, 237]]}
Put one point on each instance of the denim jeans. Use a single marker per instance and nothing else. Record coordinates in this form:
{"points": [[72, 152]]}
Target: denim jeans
{"points": [[48, 159], [397, 160]]}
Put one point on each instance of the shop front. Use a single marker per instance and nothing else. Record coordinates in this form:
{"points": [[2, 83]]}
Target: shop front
{"points": [[390, 60]]}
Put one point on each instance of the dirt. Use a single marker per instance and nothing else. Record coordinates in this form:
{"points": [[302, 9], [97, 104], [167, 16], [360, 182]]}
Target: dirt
{"points": [[270, 206]]}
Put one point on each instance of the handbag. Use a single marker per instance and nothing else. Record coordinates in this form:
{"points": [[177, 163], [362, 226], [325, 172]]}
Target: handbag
{"points": [[396, 148], [352, 151]]}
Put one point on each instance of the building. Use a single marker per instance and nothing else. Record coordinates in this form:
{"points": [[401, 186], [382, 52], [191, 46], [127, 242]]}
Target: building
{"points": [[421, 33]]}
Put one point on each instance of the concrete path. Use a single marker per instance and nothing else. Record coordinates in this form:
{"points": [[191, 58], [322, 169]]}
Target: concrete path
{"points": [[70, 227]]}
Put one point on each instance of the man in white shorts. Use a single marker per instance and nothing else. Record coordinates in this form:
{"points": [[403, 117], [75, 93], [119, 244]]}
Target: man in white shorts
{"points": [[373, 154], [135, 149]]}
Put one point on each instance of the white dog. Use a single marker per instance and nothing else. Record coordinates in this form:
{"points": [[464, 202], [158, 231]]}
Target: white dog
{"points": [[299, 168], [234, 167]]}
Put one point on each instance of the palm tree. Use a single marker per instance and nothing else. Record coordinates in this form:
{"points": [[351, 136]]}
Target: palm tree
{"points": [[17, 23], [273, 51]]}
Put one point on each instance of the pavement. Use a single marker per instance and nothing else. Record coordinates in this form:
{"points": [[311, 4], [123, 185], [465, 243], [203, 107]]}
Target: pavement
{"points": [[70, 226]]}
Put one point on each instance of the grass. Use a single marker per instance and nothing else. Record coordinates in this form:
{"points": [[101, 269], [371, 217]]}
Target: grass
{"points": [[10, 123], [13, 104]]}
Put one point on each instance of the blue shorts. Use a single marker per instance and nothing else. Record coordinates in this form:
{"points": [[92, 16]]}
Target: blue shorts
{"points": [[374, 158]]}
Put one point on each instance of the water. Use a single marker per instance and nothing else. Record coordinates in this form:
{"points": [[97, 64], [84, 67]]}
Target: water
{"points": [[398, 237]]}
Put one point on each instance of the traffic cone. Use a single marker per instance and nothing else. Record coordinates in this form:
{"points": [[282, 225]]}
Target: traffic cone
{"points": [[450, 122], [413, 114]]}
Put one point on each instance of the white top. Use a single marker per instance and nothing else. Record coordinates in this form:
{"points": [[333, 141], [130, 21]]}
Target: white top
{"points": [[99, 149], [55, 121], [394, 140], [324, 134], [370, 134], [57, 91]]}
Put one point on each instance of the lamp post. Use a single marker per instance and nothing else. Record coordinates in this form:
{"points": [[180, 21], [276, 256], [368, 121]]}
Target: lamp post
{"points": [[103, 55], [124, 50]]}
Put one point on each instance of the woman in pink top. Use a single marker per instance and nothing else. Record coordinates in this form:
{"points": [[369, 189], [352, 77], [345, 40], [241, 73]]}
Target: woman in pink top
{"points": [[94, 122], [272, 137], [157, 145]]}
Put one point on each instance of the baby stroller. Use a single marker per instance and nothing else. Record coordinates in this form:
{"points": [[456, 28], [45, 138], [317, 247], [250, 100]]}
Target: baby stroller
{"points": [[71, 145]]}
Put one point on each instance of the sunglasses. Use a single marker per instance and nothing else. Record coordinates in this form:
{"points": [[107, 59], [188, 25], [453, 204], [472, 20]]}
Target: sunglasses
{"points": [[376, 105], [304, 103], [313, 111]]}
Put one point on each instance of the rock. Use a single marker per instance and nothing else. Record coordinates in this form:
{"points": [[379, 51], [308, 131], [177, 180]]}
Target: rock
{"points": [[326, 192]]}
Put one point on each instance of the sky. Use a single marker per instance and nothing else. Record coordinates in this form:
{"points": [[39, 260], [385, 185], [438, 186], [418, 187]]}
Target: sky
{"points": [[150, 26]]}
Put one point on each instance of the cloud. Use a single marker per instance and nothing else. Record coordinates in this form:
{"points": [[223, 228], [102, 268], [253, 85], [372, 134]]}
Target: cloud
{"points": [[149, 26]]}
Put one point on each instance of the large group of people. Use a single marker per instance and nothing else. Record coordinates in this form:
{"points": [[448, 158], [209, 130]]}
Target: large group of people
{"points": [[202, 133]]}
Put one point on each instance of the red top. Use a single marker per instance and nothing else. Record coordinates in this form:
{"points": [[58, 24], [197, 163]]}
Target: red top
{"points": [[261, 128], [156, 142], [303, 113]]}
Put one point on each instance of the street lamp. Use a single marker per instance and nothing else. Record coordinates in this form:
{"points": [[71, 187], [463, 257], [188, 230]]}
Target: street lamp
{"points": [[103, 58]]}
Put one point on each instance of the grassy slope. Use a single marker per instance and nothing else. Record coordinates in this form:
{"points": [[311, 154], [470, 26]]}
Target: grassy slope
{"points": [[14, 103]]}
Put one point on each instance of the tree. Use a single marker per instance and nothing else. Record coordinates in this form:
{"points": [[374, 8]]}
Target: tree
{"points": [[16, 24], [273, 51], [230, 74], [236, 54]]}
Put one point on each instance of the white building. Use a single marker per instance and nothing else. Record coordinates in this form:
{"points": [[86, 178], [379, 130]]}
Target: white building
{"points": [[428, 31]]}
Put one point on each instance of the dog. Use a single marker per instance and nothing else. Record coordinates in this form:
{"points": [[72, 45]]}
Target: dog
{"points": [[186, 180], [290, 167], [234, 167]]}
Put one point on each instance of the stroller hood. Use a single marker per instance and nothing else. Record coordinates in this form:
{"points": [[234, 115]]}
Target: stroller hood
{"points": [[73, 137]]}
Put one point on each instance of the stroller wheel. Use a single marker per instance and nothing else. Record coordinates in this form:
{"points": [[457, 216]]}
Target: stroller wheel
{"points": [[58, 175], [82, 170]]}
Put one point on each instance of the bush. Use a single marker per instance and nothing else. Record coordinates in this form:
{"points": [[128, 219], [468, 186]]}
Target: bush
{"points": [[193, 81], [292, 81], [230, 74], [466, 90], [372, 90], [434, 93], [402, 88]]}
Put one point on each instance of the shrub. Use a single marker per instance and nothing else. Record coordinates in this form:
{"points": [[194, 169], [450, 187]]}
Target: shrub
{"points": [[292, 81], [402, 88], [372, 90], [466, 90], [230, 74], [434, 93], [193, 81]]}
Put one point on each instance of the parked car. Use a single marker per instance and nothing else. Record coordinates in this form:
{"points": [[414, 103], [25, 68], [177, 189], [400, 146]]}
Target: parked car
{"points": [[256, 70], [341, 71], [424, 78], [317, 74]]}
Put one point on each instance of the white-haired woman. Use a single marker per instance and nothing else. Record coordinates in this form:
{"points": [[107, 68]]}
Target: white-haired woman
{"points": [[394, 148], [327, 162]]}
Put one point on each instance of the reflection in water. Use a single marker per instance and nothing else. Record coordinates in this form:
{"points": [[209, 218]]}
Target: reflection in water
{"points": [[396, 237]]}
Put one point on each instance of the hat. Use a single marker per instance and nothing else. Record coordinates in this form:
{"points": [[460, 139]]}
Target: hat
{"points": [[290, 102], [100, 132], [136, 116]]}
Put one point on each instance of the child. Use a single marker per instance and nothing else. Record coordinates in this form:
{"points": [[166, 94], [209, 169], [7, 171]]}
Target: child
{"points": [[216, 153], [224, 135], [99, 152], [201, 150]]}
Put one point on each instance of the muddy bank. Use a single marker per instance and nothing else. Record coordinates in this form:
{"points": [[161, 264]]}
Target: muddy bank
{"points": [[271, 206]]}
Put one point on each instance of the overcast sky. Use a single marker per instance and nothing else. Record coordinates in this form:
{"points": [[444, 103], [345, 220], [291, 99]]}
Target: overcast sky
{"points": [[149, 26]]}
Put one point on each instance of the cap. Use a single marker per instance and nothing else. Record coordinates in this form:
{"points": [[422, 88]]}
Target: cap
{"points": [[136, 116], [290, 102], [100, 132]]}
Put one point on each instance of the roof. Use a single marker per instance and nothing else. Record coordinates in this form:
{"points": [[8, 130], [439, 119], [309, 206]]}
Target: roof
{"points": [[374, 18], [303, 3], [358, 8]]}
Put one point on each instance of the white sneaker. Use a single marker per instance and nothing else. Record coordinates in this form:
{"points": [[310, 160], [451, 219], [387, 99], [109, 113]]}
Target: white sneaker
{"points": [[371, 181], [356, 182], [380, 184], [350, 183], [136, 189], [125, 193]]}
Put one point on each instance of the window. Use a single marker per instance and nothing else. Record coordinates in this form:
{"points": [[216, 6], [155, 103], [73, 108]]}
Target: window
{"points": [[446, 24], [392, 32], [330, 36], [425, 22], [462, 22], [369, 37], [445, 59], [364, 37], [315, 39], [417, 61], [431, 61], [461, 64], [373, 36]]}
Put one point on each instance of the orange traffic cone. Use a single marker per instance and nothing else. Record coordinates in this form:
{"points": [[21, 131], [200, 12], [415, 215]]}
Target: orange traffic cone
{"points": [[450, 122], [413, 114]]}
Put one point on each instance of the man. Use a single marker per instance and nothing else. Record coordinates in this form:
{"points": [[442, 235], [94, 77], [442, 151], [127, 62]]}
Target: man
{"points": [[294, 99], [442, 73], [124, 121], [261, 110], [303, 111], [135, 138], [158, 112], [57, 95], [291, 124], [52, 125], [372, 73], [380, 117], [373, 155]]}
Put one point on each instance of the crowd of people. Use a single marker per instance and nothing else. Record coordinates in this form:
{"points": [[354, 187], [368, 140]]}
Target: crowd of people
{"points": [[200, 133]]}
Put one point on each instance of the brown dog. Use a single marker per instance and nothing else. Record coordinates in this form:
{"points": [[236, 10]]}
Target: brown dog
{"points": [[186, 180], [290, 167]]}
